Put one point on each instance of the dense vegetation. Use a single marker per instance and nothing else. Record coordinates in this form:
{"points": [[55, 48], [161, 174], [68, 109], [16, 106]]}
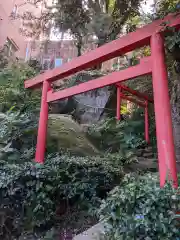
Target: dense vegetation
{"points": [[139, 209], [31, 193], [34, 199]]}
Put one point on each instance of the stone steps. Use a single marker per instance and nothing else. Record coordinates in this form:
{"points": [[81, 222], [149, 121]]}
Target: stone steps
{"points": [[146, 160], [93, 233]]}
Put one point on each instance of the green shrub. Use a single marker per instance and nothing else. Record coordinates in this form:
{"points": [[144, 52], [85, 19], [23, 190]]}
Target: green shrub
{"points": [[31, 193], [112, 135], [12, 91], [17, 136], [3, 59], [140, 209]]}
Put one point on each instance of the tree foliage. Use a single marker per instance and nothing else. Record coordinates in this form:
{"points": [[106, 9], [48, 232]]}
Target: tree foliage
{"points": [[83, 19], [17, 136], [3, 59], [109, 17], [123, 135], [164, 7], [72, 17], [12, 91], [32, 193]]}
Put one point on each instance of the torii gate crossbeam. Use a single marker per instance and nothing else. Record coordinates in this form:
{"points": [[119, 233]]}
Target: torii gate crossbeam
{"points": [[151, 34], [141, 69], [110, 50]]}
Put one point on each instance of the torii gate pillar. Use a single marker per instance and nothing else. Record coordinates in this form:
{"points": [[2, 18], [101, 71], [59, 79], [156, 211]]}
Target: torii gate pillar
{"points": [[43, 121], [164, 131]]}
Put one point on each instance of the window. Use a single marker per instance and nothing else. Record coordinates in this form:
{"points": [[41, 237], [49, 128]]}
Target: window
{"points": [[46, 63], [58, 62], [49, 63], [10, 48]]}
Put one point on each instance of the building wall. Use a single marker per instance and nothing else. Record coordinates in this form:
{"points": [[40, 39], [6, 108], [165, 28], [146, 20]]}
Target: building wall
{"points": [[10, 25], [64, 50], [51, 50], [10, 28]]}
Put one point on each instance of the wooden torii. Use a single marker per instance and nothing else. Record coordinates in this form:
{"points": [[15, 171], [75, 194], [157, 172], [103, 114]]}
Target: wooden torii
{"points": [[151, 34]]}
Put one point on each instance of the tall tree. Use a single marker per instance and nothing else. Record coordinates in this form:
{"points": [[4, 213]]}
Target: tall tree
{"points": [[164, 7], [103, 19], [108, 17], [72, 16], [160, 8]]}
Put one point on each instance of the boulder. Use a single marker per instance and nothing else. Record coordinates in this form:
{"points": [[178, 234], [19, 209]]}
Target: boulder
{"points": [[69, 135], [87, 107]]}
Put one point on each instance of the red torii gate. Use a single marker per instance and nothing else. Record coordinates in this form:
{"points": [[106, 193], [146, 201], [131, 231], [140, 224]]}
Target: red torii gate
{"points": [[152, 35], [120, 95]]}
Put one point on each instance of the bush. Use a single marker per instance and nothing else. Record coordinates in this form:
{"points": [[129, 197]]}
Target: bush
{"points": [[17, 136], [140, 209], [3, 59], [31, 193], [112, 135], [12, 92]]}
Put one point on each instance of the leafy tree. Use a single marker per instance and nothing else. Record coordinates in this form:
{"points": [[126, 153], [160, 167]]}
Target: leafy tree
{"points": [[64, 16], [103, 19], [109, 17], [71, 16], [17, 136], [164, 7], [18, 107]]}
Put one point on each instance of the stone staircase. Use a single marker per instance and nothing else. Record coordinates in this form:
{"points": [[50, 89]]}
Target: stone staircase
{"points": [[93, 233], [146, 160]]}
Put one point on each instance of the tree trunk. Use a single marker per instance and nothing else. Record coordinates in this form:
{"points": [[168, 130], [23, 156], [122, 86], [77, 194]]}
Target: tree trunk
{"points": [[101, 42], [175, 102], [79, 50], [79, 44]]}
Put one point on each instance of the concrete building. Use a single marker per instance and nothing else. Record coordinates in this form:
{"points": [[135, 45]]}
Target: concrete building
{"points": [[11, 26], [58, 52], [15, 44], [18, 45]]}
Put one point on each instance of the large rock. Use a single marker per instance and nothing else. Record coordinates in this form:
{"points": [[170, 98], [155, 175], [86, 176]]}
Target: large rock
{"points": [[69, 135], [87, 107], [90, 106]]}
